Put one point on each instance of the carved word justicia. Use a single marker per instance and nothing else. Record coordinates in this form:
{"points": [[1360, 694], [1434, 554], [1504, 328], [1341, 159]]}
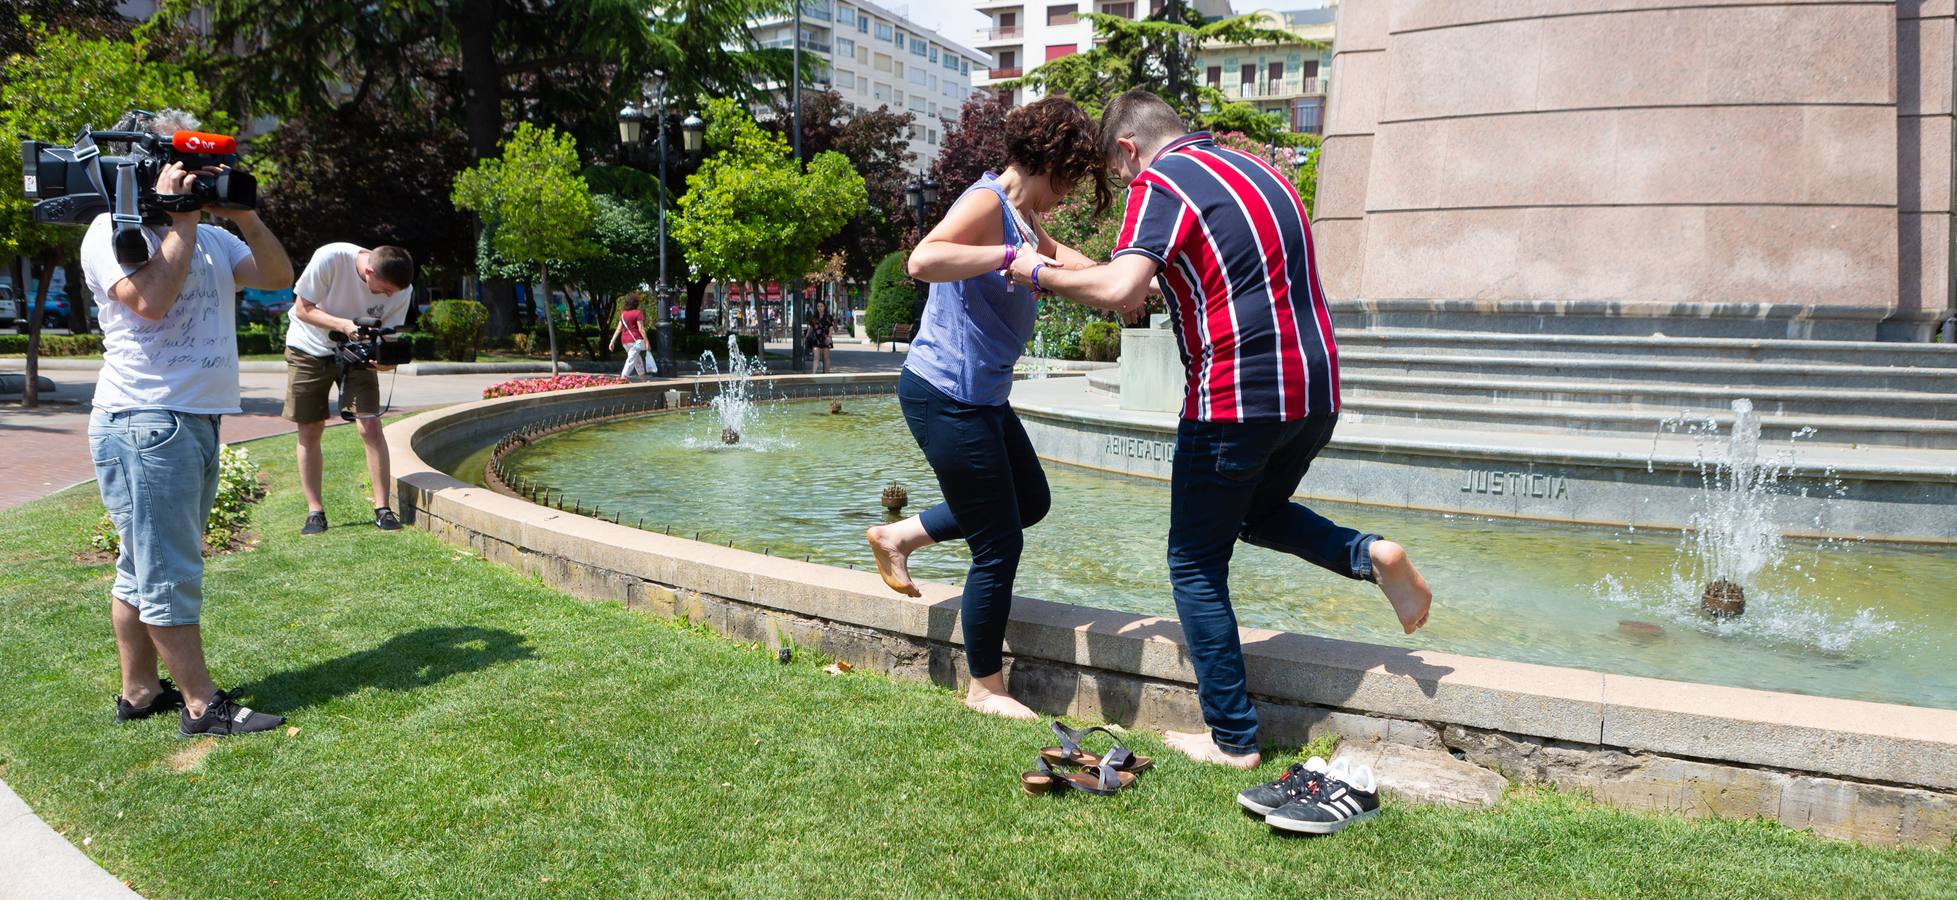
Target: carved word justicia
{"points": [[1527, 484]]}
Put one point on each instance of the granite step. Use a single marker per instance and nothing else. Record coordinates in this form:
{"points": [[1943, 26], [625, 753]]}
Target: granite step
{"points": [[1687, 398], [1739, 376], [1807, 352], [1627, 421]]}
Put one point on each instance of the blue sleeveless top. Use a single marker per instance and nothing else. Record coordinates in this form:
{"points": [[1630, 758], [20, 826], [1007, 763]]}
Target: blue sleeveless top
{"points": [[974, 330]]}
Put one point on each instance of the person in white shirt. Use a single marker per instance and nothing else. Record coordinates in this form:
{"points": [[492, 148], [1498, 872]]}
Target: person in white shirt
{"points": [[342, 282], [169, 373]]}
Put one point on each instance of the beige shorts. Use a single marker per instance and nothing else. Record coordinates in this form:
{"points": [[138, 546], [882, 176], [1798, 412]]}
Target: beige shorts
{"points": [[308, 379]]}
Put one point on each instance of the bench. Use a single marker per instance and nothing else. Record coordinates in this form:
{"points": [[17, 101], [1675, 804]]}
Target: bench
{"points": [[899, 334]]}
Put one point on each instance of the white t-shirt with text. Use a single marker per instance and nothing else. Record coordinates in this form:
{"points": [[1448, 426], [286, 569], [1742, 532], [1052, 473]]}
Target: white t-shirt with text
{"points": [[188, 361], [332, 282]]}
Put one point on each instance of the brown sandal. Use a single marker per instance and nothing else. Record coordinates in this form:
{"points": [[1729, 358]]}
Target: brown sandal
{"points": [[1101, 781], [1069, 752]]}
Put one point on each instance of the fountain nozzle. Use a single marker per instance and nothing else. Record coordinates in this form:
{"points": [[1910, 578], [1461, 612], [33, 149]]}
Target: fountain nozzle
{"points": [[1723, 599], [894, 497]]}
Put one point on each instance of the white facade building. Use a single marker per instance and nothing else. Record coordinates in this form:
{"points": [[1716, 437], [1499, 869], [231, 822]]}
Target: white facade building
{"points": [[1024, 34], [874, 57]]}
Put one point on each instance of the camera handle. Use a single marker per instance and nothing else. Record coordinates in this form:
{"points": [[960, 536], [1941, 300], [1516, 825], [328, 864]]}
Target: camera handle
{"points": [[131, 245]]}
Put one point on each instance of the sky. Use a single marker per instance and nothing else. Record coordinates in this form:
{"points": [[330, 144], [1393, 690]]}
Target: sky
{"points": [[955, 19]]}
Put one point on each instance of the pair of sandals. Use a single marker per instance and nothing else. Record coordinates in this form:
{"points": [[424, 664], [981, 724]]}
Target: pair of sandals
{"points": [[1101, 776]]}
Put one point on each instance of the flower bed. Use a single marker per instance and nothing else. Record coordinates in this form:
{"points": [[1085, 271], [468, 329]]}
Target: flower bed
{"points": [[520, 386]]}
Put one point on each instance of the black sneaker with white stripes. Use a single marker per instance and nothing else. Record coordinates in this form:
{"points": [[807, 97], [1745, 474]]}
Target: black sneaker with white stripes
{"points": [[225, 717], [1299, 780], [1343, 801]]}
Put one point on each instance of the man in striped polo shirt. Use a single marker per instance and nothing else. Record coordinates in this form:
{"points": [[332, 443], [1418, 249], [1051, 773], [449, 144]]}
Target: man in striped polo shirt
{"points": [[1225, 236]]}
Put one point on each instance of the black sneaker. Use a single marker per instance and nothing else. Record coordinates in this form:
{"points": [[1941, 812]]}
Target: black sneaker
{"points": [[315, 523], [225, 717], [1301, 779], [1344, 801], [385, 520], [168, 699]]}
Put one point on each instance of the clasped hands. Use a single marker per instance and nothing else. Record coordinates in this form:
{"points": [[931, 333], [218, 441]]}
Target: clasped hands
{"points": [[1022, 273]]}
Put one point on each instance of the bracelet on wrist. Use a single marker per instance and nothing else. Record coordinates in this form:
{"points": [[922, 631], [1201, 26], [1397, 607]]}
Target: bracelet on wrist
{"points": [[1036, 278], [1012, 253]]}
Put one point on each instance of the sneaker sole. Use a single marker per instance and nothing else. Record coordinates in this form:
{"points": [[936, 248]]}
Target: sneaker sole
{"points": [[1255, 807], [1319, 827]]}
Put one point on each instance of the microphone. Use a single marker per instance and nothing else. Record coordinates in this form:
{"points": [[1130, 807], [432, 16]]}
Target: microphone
{"points": [[203, 143]]}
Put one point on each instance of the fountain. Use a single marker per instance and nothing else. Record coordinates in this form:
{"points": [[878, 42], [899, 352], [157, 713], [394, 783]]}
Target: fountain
{"points": [[894, 497], [1038, 365], [734, 405], [1732, 533]]}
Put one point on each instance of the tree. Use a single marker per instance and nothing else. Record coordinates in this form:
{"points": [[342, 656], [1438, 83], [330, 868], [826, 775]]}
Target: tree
{"points": [[1153, 54], [975, 144], [749, 215], [534, 204], [86, 18], [69, 83], [877, 144], [625, 237], [370, 176]]}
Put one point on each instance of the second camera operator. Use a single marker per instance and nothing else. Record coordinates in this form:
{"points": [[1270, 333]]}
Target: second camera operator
{"points": [[342, 283]]}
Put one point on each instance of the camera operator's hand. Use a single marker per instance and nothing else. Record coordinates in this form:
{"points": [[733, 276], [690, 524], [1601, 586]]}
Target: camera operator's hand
{"points": [[175, 179]]}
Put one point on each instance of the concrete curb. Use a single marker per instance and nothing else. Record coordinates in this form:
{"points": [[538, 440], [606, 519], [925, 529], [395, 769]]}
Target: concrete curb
{"points": [[39, 863], [1868, 771]]}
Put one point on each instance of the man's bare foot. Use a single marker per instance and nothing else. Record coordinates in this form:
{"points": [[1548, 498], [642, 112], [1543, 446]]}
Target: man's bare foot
{"points": [[892, 561], [1199, 746], [1401, 582], [994, 701]]}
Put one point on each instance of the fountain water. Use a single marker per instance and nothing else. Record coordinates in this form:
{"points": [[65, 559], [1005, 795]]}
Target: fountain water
{"points": [[1039, 365], [1733, 535], [734, 405]]}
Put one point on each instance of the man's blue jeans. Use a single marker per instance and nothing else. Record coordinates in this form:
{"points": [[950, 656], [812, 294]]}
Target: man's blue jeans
{"points": [[1231, 481]]}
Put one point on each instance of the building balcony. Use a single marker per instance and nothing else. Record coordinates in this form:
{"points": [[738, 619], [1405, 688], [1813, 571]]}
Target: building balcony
{"points": [[812, 46], [1274, 90], [1013, 72], [999, 35], [999, 4]]}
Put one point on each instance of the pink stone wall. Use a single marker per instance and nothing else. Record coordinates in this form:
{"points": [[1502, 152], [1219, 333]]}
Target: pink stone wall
{"points": [[1641, 151]]}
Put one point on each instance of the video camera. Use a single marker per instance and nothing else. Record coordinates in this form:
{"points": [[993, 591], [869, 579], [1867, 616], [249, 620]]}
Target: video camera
{"points": [[71, 186], [371, 345]]}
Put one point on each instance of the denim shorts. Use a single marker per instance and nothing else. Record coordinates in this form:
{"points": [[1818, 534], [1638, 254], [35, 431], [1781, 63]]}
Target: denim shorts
{"points": [[157, 470]]}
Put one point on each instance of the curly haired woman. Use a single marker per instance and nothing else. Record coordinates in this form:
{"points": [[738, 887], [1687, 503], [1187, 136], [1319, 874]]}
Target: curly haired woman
{"points": [[960, 371]]}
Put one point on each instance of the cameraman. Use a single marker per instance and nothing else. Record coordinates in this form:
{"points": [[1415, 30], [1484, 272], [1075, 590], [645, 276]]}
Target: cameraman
{"points": [[169, 371], [342, 282]]}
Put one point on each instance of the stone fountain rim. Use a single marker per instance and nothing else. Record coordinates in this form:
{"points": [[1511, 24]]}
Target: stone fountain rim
{"points": [[1855, 739]]}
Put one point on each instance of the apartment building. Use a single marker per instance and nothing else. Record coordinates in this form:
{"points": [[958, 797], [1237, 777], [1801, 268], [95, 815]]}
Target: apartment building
{"points": [[1025, 34], [875, 57], [1288, 77]]}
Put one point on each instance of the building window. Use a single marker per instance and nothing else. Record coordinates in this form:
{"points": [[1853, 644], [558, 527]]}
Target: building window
{"points": [[951, 62], [845, 47], [1062, 14], [882, 63], [898, 38], [1055, 51], [934, 52], [964, 67], [917, 76], [918, 47], [880, 91], [933, 109], [1008, 59], [862, 25], [1125, 9], [845, 15], [1214, 75], [1308, 115], [883, 31], [897, 97], [897, 67], [934, 82], [931, 135]]}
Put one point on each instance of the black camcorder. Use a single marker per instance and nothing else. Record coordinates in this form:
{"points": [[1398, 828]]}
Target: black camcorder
{"points": [[371, 345], [73, 185]]}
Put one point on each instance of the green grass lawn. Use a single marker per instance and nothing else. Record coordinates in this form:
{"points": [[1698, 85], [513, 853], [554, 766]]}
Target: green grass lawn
{"points": [[465, 731]]}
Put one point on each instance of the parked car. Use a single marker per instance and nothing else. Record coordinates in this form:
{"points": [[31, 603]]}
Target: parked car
{"points": [[9, 310], [265, 306]]}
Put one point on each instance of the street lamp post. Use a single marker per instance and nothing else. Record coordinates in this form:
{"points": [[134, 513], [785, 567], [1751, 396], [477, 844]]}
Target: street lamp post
{"points": [[631, 135], [921, 194]]}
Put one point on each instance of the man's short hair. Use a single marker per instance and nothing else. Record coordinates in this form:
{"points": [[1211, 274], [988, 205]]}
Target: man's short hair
{"points": [[393, 265], [1139, 116]]}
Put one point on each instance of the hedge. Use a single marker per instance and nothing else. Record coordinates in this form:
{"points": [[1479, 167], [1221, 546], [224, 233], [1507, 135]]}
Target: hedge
{"points": [[458, 328], [894, 298], [1101, 341], [53, 344]]}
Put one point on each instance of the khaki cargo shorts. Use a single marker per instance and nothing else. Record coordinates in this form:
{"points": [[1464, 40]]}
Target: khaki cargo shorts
{"points": [[309, 378]]}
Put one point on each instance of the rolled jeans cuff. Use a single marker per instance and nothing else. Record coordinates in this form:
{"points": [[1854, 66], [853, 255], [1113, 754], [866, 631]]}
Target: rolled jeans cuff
{"points": [[1231, 747], [1362, 558]]}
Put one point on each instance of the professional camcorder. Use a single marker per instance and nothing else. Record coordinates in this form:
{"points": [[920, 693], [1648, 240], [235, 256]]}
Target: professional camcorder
{"points": [[71, 186], [371, 345]]}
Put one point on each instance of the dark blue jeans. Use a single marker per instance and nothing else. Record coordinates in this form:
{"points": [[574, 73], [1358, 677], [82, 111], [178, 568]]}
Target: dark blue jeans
{"points": [[1232, 481], [994, 489]]}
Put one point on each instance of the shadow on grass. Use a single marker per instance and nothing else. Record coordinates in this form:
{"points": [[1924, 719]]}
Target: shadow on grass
{"points": [[405, 662]]}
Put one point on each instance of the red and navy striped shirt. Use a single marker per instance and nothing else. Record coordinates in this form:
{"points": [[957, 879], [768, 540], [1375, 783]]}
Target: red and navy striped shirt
{"points": [[1237, 265]]}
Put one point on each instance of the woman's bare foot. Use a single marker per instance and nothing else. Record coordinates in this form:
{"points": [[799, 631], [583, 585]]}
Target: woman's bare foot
{"points": [[988, 695], [1401, 582], [1199, 746], [893, 561]]}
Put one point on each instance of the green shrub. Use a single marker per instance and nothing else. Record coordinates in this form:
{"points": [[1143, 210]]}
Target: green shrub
{"points": [[238, 488], [1101, 341], [53, 344], [1056, 333], [894, 298], [457, 326], [258, 340]]}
